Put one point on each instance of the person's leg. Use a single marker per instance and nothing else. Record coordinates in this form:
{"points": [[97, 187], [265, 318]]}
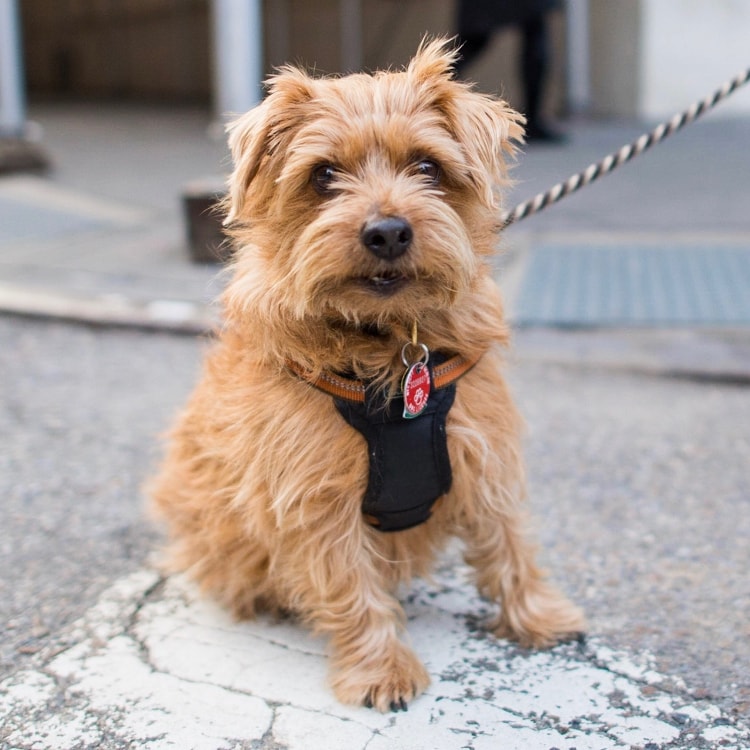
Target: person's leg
{"points": [[471, 47], [534, 68]]}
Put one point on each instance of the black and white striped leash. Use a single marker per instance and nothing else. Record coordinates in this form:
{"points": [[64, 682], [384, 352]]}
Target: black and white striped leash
{"points": [[625, 154]]}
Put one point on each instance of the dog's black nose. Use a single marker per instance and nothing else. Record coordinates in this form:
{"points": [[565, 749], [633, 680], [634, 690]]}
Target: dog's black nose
{"points": [[387, 237]]}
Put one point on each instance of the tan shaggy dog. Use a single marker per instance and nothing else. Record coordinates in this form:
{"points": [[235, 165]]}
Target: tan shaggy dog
{"points": [[363, 211]]}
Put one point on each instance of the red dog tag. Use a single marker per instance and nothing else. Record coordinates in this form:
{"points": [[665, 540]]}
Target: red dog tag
{"points": [[416, 388]]}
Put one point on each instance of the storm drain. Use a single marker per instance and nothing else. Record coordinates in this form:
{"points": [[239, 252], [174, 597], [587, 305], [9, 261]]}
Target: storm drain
{"points": [[643, 285]]}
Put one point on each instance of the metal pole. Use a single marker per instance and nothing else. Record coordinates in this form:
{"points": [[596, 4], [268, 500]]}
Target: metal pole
{"points": [[277, 39], [579, 76], [238, 58], [350, 14], [12, 104]]}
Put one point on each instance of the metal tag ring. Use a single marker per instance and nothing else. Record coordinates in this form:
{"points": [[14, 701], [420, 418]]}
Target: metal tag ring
{"points": [[425, 354]]}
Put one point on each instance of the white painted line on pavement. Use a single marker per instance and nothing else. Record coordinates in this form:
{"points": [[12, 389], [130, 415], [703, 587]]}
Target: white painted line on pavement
{"points": [[38, 191], [109, 309], [156, 665]]}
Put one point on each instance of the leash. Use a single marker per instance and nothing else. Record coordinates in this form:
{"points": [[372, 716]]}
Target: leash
{"points": [[609, 163]]}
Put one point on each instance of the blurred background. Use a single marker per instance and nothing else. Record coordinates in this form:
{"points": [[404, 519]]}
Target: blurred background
{"points": [[629, 299], [637, 58]]}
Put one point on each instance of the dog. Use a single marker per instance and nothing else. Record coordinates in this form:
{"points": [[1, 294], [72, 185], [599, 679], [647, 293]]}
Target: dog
{"points": [[352, 416]]}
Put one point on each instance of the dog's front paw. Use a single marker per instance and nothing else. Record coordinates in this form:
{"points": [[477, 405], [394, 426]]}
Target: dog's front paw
{"points": [[539, 618], [388, 683]]}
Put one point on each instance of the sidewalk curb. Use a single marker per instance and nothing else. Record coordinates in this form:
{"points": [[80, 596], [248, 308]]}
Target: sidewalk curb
{"points": [[171, 316], [720, 355], [710, 354]]}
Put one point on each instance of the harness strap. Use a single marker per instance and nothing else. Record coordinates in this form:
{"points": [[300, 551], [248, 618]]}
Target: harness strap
{"points": [[350, 389], [409, 465]]}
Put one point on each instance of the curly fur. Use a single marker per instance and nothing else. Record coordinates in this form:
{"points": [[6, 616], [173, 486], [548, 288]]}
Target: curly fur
{"points": [[263, 481]]}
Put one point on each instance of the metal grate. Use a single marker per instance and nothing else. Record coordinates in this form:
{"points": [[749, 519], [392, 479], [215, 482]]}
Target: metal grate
{"points": [[644, 285]]}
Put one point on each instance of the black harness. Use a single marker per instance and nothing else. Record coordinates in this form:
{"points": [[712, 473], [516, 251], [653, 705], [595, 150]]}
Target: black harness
{"points": [[409, 465]]}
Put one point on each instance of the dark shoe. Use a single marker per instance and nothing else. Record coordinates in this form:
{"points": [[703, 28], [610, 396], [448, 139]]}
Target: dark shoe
{"points": [[540, 133]]}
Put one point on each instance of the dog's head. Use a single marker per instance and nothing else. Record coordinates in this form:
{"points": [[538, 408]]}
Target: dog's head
{"points": [[367, 199]]}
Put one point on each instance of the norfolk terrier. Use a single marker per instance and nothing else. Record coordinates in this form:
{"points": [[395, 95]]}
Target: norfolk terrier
{"points": [[352, 416]]}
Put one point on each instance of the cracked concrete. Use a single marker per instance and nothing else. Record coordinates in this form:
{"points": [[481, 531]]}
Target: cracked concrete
{"points": [[155, 665]]}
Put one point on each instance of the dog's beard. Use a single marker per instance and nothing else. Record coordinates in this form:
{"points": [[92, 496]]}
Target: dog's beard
{"points": [[331, 275]]}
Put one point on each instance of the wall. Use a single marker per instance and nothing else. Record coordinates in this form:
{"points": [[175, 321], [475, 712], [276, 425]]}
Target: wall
{"points": [[615, 49], [652, 58], [161, 49], [145, 49], [690, 47], [391, 32]]}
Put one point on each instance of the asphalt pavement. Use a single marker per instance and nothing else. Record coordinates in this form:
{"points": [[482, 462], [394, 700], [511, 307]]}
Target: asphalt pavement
{"points": [[638, 450]]}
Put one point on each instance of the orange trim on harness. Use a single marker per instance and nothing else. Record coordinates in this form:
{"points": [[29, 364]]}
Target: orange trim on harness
{"points": [[352, 390]]}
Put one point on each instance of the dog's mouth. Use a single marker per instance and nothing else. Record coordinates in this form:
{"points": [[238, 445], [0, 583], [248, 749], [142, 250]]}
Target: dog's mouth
{"points": [[386, 282]]}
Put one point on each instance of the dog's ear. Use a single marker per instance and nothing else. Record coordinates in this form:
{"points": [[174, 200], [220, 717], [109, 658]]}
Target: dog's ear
{"points": [[435, 60], [488, 131], [487, 128], [256, 135]]}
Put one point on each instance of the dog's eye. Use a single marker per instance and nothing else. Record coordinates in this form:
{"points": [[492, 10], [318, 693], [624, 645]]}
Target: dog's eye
{"points": [[323, 177], [430, 170]]}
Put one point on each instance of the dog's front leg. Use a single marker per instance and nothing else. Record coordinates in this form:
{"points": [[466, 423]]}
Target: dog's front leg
{"points": [[371, 665], [532, 611], [346, 597]]}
